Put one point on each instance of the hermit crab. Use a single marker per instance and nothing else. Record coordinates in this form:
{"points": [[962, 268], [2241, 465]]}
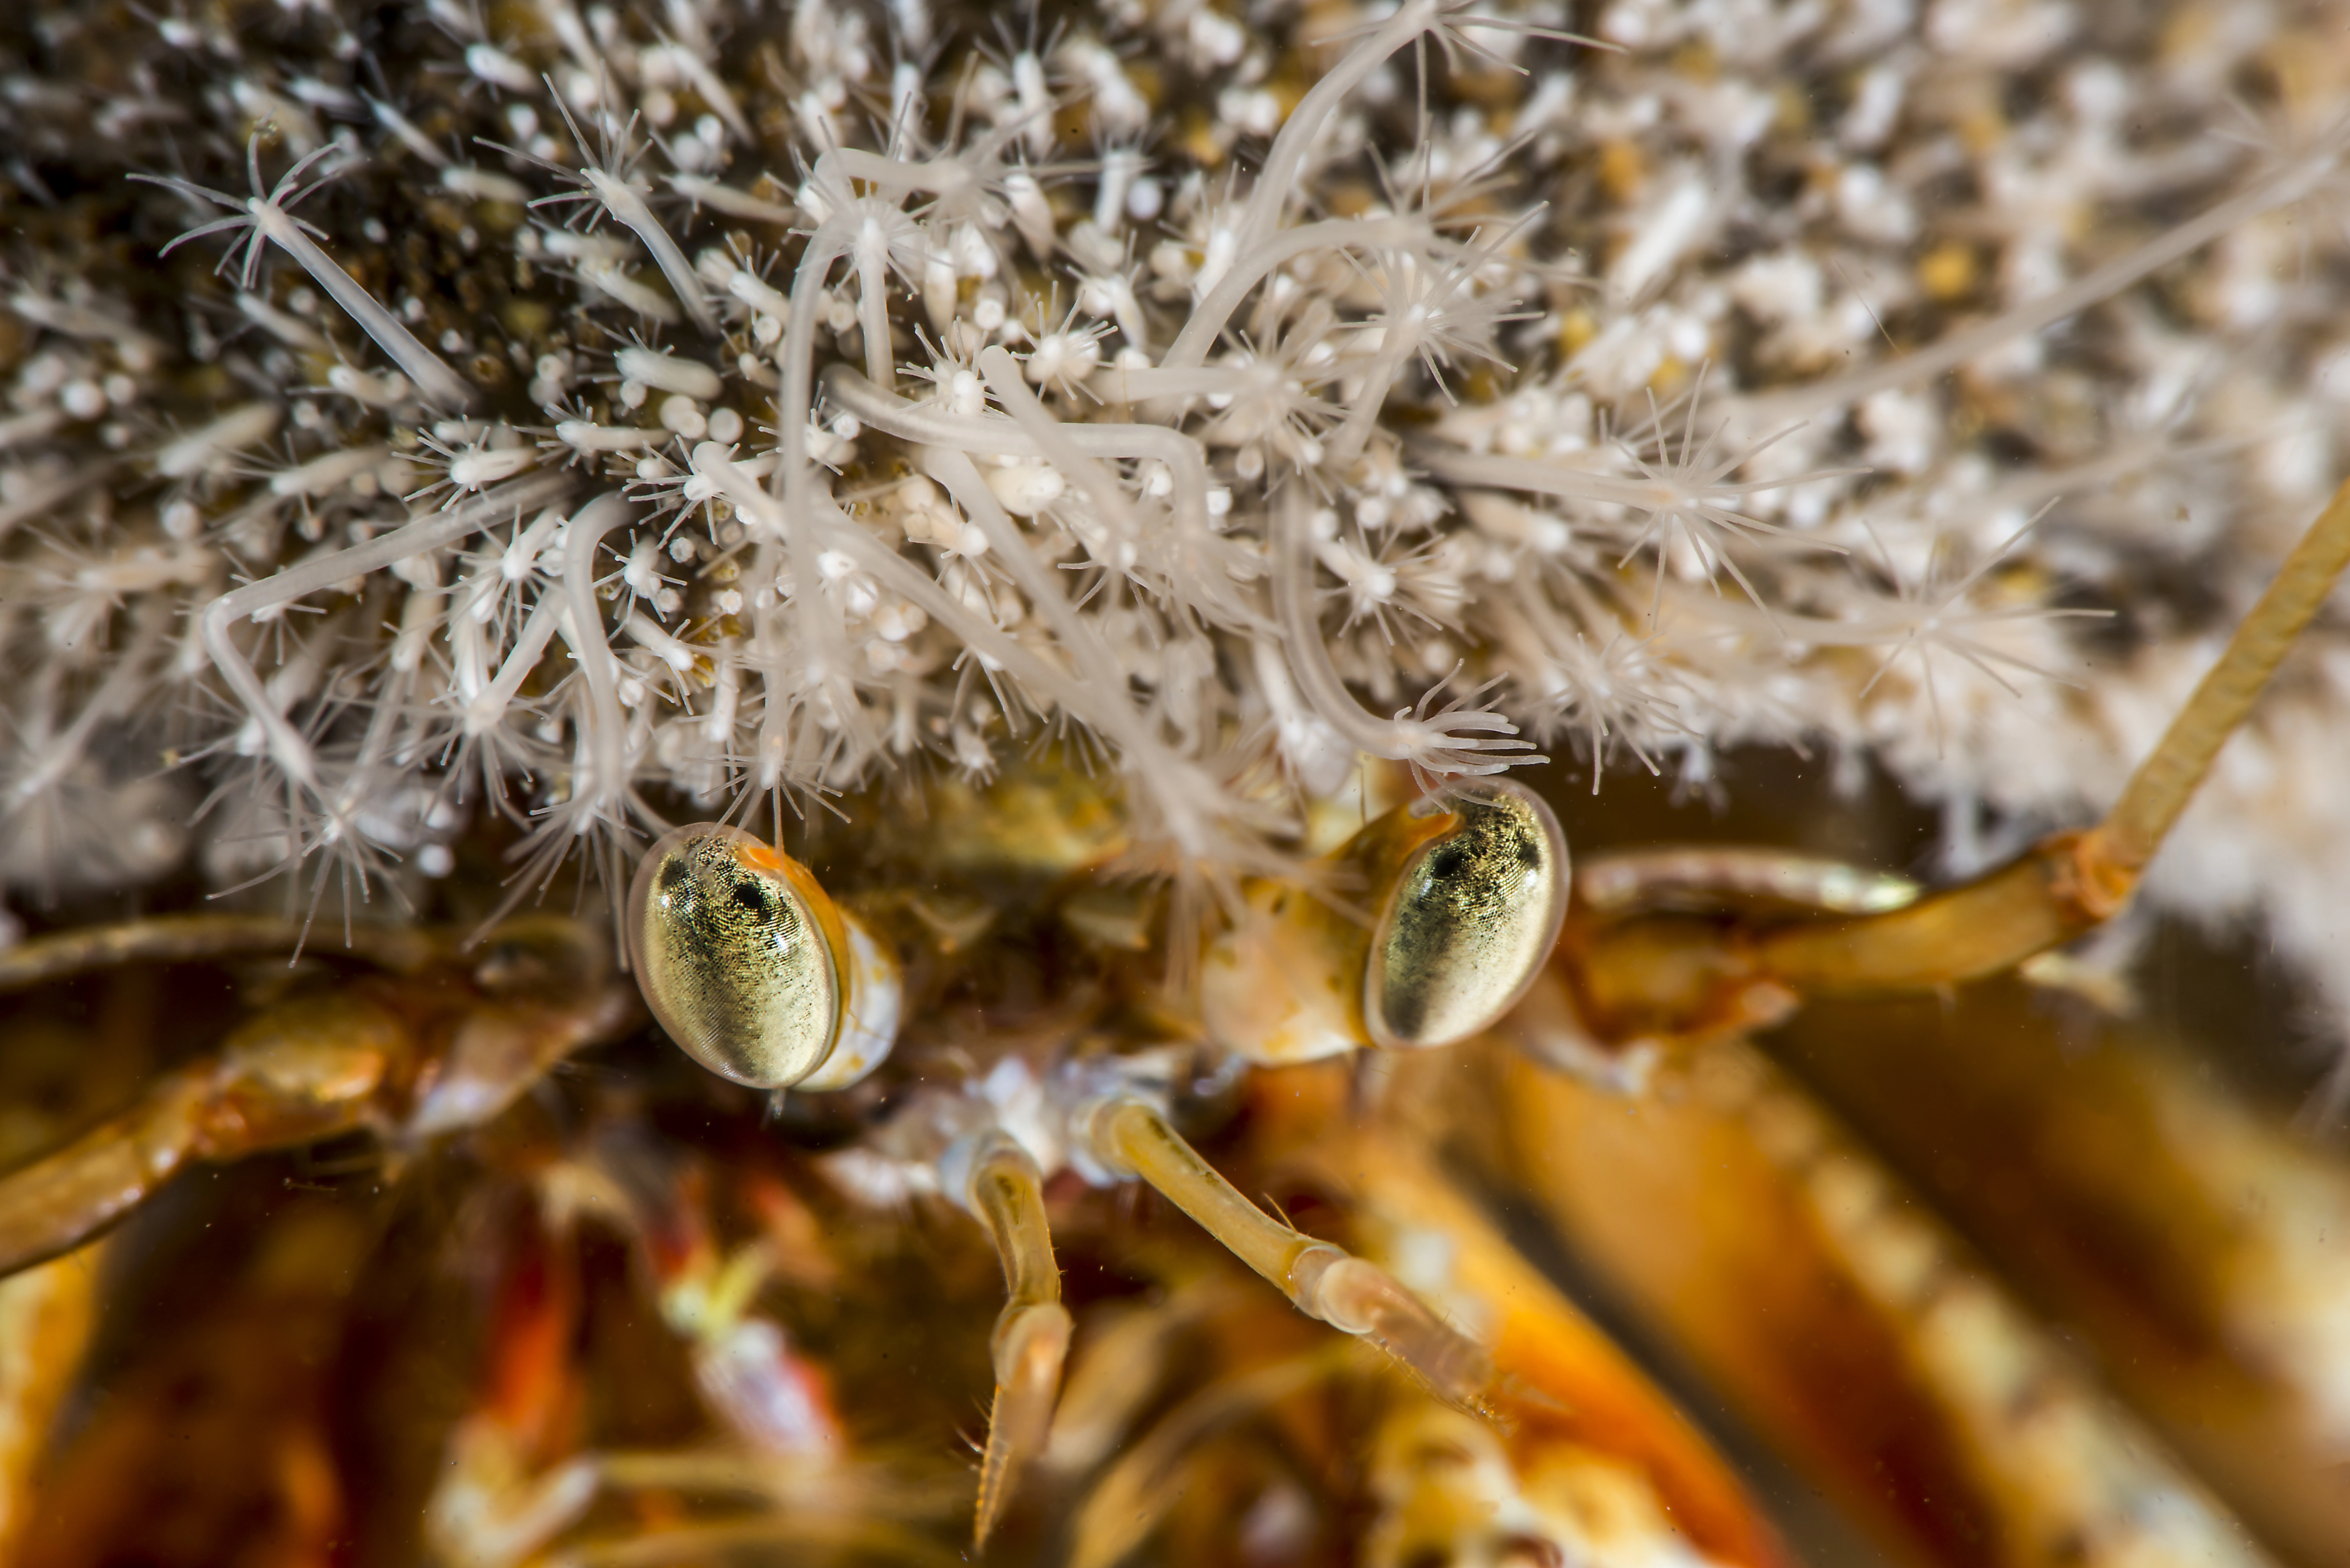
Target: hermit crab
{"points": [[699, 695], [1462, 905]]}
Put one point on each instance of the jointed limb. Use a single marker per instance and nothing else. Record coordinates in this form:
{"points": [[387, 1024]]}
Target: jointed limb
{"points": [[2071, 882], [1676, 974], [1032, 1335], [1631, 881], [1322, 1280], [424, 1055], [307, 1071], [190, 939]]}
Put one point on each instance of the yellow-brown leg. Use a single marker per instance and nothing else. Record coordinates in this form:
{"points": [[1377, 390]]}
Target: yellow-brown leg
{"points": [[2073, 881], [193, 939], [304, 1071], [1324, 1281], [314, 1066], [1678, 975], [1032, 1335], [1737, 1219]]}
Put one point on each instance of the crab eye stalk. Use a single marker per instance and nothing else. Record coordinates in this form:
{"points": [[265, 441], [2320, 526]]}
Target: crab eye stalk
{"points": [[1458, 901], [752, 969], [1471, 917]]}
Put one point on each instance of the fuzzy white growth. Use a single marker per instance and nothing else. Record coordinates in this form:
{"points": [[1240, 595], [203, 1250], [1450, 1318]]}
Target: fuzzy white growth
{"points": [[2292, 180], [611, 278], [703, 190], [712, 87], [40, 495], [387, 392], [207, 448], [581, 436], [477, 468], [482, 185], [626, 203], [995, 400], [139, 350], [268, 218], [1454, 741], [288, 329], [498, 68], [668, 372], [607, 182], [326, 472], [287, 748], [602, 803]]}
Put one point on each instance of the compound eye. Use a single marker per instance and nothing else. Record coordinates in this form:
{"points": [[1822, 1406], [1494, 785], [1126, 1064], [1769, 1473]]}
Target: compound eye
{"points": [[1472, 916], [731, 951]]}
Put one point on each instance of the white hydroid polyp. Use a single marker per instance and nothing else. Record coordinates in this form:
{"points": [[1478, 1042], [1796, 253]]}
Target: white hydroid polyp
{"points": [[766, 402], [268, 216]]}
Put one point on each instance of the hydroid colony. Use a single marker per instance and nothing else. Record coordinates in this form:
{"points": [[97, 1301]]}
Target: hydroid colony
{"points": [[556, 422], [592, 413]]}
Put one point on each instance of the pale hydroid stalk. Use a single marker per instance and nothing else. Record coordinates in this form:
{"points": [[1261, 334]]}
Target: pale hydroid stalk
{"points": [[432, 531], [428, 370], [267, 217]]}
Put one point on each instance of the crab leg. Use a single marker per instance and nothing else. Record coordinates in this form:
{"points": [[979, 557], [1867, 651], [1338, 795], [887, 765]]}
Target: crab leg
{"points": [[1146, 1483], [1032, 1335], [47, 1318], [1759, 1238], [1565, 1388], [785, 1538], [422, 1061], [1324, 1281], [1728, 875], [2184, 1230], [191, 939], [309, 1070], [2073, 881], [1674, 975]]}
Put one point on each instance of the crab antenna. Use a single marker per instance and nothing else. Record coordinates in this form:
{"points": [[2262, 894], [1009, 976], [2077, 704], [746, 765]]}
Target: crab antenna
{"points": [[1031, 1334], [2163, 785], [1322, 1280]]}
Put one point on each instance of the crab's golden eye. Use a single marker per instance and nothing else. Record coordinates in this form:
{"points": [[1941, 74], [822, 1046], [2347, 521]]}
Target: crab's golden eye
{"points": [[1471, 917], [1465, 893], [739, 954]]}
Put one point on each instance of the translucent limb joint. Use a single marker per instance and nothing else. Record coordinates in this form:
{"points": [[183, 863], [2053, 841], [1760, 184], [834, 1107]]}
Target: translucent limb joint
{"points": [[1321, 1279], [306, 1072]]}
